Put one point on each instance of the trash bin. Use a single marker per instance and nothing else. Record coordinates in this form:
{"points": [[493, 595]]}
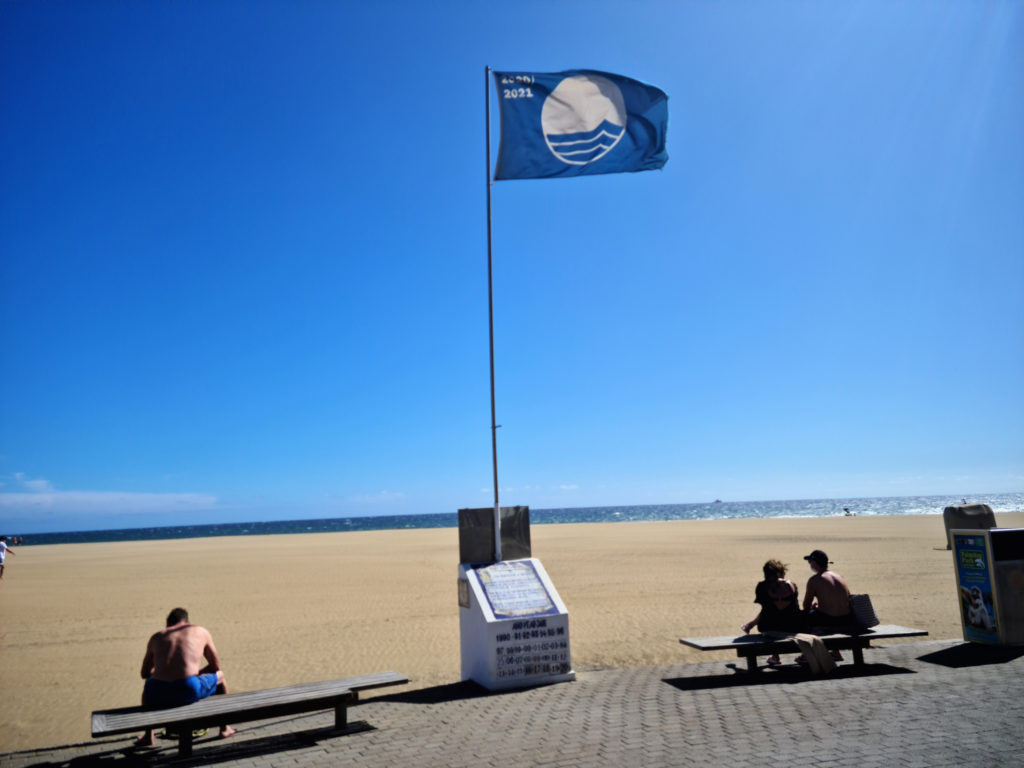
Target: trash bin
{"points": [[967, 516], [989, 566]]}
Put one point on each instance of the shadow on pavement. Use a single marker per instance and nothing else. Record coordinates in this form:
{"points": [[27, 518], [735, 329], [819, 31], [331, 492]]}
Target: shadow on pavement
{"points": [[122, 756], [207, 750], [439, 694], [789, 674], [973, 655]]}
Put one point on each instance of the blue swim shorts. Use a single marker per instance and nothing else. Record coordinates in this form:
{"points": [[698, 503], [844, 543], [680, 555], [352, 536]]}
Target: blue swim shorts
{"points": [[161, 694]]}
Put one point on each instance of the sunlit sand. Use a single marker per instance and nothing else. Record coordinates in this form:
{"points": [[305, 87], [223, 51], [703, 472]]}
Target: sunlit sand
{"points": [[74, 619]]}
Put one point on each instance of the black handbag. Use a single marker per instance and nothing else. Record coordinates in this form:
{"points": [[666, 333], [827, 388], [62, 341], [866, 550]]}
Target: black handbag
{"points": [[863, 612]]}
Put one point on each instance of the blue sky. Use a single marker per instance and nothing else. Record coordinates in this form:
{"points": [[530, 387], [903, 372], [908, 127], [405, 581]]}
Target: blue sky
{"points": [[244, 269]]}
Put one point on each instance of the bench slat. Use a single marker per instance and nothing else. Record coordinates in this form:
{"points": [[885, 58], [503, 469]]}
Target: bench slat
{"points": [[780, 640], [250, 705], [193, 717], [752, 646]]}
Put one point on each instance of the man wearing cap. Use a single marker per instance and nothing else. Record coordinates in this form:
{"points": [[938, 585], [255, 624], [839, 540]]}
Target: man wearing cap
{"points": [[827, 595]]}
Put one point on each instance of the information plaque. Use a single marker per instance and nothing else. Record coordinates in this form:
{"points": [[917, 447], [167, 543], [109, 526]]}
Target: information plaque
{"points": [[514, 590], [514, 627]]}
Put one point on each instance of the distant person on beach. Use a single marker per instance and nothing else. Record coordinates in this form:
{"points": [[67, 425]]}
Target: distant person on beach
{"points": [[172, 670], [779, 601], [4, 549]]}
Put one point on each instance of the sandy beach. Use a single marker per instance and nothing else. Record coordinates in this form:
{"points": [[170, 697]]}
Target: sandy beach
{"points": [[74, 619]]}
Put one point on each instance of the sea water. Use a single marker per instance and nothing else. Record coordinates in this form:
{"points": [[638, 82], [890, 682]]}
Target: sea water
{"points": [[718, 510]]}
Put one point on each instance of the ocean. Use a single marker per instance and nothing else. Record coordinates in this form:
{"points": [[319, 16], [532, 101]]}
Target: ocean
{"points": [[718, 510]]}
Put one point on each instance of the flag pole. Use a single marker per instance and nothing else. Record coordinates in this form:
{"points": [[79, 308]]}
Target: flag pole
{"points": [[490, 317]]}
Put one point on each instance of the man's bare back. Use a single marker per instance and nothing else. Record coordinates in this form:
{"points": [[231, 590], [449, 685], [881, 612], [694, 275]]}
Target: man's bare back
{"points": [[179, 651], [830, 592], [174, 654]]}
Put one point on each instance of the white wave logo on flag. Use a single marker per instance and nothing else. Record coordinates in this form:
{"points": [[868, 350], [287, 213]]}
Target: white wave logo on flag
{"points": [[583, 118]]}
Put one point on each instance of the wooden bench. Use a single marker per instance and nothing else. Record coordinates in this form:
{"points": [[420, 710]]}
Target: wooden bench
{"points": [[243, 707], [752, 646]]}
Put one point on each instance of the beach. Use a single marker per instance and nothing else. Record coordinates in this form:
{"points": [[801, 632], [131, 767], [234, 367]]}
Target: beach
{"points": [[75, 618]]}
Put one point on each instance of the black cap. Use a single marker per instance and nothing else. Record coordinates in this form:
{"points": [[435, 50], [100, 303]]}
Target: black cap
{"points": [[819, 557]]}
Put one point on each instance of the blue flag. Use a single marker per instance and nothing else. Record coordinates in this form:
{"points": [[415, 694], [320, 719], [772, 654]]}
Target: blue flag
{"points": [[577, 123]]}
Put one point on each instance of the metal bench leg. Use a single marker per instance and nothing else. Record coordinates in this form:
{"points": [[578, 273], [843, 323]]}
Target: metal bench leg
{"points": [[751, 663], [185, 742], [341, 715], [858, 655]]}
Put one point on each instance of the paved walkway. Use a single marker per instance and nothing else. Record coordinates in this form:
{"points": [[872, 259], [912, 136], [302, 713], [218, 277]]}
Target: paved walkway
{"points": [[940, 703]]}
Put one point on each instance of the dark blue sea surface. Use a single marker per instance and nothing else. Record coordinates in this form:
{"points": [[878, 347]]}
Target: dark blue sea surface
{"points": [[719, 510]]}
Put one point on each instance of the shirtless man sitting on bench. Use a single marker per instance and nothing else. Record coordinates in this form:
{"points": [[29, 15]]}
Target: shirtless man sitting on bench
{"points": [[172, 670], [827, 598]]}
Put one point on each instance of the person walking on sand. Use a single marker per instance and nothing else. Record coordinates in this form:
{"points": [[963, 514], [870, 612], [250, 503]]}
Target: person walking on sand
{"points": [[4, 549], [171, 669]]}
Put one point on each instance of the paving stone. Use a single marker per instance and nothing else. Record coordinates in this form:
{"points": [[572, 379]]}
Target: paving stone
{"points": [[937, 703]]}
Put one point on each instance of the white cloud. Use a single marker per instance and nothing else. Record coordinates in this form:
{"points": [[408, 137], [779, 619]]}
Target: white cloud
{"points": [[41, 498], [571, 487], [381, 497], [107, 502], [36, 486]]}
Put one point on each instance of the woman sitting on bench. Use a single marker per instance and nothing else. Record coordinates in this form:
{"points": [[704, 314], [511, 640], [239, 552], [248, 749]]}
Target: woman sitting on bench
{"points": [[779, 601]]}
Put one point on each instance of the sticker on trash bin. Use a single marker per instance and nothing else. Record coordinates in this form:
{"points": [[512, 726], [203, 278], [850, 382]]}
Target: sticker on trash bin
{"points": [[975, 581]]}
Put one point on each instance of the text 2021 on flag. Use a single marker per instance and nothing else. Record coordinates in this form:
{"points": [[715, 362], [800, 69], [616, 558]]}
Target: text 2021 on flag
{"points": [[577, 123]]}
